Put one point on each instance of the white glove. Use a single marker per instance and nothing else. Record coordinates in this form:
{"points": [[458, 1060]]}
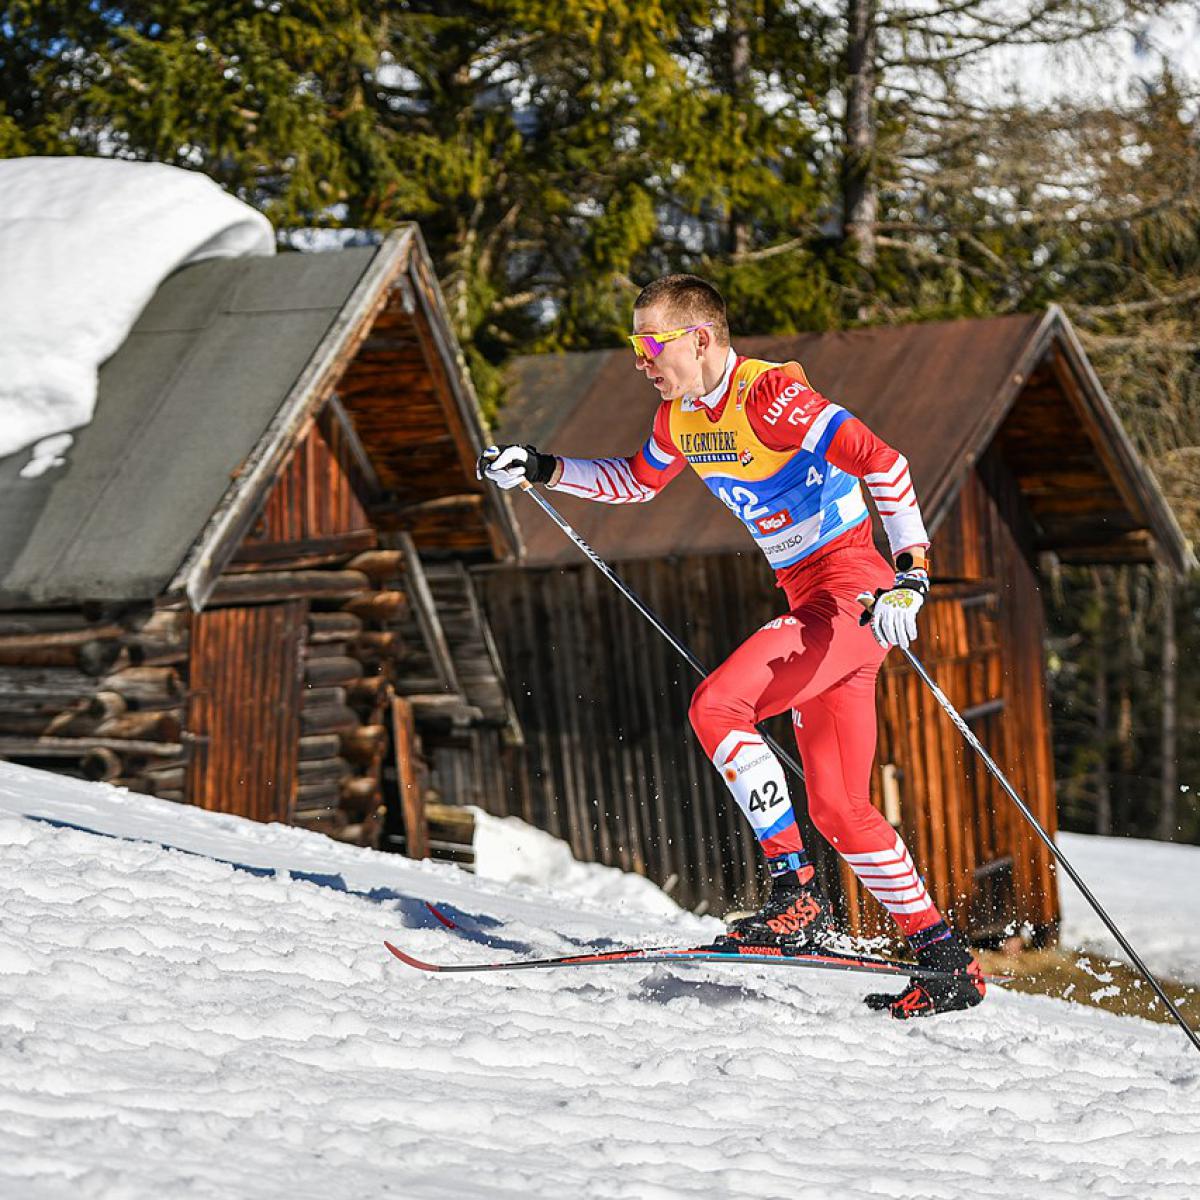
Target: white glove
{"points": [[510, 466], [894, 619]]}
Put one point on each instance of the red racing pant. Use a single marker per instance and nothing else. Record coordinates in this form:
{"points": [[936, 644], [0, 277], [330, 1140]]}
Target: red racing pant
{"points": [[822, 664]]}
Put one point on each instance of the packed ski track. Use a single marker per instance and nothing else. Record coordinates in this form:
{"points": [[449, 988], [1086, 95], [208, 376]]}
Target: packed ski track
{"points": [[172, 1025]]}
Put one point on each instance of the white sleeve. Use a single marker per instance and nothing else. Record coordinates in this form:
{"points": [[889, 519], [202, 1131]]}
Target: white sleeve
{"points": [[607, 480], [896, 500]]}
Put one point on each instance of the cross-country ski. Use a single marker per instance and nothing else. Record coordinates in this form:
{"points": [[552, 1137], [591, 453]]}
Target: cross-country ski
{"points": [[692, 955]]}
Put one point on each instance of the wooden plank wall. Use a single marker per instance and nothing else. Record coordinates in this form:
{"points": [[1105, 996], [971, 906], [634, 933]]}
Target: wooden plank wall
{"points": [[314, 503], [244, 709]]}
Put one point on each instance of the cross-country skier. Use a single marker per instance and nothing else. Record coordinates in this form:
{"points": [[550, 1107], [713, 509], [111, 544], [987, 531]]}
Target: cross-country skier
{"points": [[788, 462]]}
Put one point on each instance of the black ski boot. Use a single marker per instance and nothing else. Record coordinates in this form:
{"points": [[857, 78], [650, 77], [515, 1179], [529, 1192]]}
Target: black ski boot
{"points": [[959, 983], [796, 918]]}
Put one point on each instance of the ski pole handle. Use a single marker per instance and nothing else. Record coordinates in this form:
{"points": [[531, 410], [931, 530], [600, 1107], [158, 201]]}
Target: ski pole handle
{"points": [[867, 600]]}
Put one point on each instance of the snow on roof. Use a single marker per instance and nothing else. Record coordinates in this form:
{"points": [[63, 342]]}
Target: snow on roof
{"points": [[85, 242]]}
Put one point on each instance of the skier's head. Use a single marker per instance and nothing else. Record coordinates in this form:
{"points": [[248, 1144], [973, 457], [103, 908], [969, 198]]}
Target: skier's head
{"points": [[690, 312]]}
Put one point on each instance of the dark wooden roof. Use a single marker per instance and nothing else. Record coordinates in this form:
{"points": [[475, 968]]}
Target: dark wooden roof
{"points": [[941, 392], [223, 374]]}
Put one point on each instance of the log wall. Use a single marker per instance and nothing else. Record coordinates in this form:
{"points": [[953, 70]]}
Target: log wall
{"points": [[96, 693]]}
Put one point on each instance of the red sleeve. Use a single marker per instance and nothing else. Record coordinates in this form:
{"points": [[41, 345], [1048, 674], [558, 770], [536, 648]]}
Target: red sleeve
{"points": [[857, 451], [659, 460], [787, 414]]}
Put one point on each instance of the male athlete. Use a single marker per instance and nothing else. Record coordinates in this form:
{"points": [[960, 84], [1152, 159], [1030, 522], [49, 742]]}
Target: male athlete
{"points": [[788, 462]]}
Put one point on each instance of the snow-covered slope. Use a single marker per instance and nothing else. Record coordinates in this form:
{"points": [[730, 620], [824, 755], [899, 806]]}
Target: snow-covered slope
{"points": [[1150, 889], [173, 1026]]}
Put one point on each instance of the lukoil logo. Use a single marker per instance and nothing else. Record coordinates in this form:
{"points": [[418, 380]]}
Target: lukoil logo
{"points": [[775, 522]]}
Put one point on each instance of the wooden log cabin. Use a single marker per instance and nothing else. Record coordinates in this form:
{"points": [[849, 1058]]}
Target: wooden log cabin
{"points": [[1017, 454], [245, 588]]}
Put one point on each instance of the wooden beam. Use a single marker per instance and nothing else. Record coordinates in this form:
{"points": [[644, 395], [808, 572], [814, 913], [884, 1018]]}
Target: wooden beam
{"points": [[51, 747], [266, 587], [427, 616], [404, 738]]}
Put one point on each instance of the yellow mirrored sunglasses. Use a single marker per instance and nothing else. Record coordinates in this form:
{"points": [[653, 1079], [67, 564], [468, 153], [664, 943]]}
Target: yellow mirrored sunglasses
{"points": [[651, 345]]}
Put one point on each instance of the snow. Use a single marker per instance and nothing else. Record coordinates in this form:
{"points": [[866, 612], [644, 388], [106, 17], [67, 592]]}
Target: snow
{"points": [[171, 1025], [85, 242], [1150, 889]]}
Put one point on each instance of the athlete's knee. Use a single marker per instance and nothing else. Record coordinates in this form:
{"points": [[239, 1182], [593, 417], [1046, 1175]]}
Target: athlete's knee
{"points": [[716, 708]]}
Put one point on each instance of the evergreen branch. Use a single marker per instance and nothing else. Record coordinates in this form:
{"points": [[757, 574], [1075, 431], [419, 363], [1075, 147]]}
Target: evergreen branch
{"points": [[516, 300], [1006, 35], [928, 253], [1147, 341]]}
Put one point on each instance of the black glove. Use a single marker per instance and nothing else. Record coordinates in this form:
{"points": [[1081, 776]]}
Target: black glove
{"points": [[508, 466]]}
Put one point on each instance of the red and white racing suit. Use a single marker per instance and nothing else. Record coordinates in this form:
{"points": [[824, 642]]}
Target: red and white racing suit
{"points": [[789, 462]]}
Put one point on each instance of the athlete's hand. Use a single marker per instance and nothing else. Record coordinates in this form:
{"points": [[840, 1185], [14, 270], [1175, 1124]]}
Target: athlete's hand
{"points": [[894, 617], [508, 466]]}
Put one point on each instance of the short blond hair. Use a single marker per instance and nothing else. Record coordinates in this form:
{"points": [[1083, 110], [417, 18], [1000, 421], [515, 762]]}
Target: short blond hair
{"points": [[689, 300]]}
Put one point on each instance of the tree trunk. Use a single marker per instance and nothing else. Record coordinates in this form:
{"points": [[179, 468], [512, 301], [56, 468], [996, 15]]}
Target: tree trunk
{"points": [[1103, 825], [859, 194], [1127, 656], [1168, 814], [739, 74]]}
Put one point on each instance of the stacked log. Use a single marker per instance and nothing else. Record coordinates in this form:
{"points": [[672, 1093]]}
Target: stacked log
{"points": [[96, 694]]}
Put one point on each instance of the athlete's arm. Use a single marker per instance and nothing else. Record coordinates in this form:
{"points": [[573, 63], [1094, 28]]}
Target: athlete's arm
{"points": [[788, 415], [630, 480]]}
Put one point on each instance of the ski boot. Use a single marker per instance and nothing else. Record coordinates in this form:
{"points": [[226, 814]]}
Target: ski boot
{"points": [[958, 985], [796, 918]]}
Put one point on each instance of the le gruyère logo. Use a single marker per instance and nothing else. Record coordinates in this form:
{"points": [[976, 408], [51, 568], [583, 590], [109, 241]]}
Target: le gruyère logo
{"points": [[718, 445]]}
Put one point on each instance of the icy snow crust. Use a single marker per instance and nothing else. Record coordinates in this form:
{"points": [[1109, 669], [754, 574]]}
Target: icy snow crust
{"points": [[173, 1026]]}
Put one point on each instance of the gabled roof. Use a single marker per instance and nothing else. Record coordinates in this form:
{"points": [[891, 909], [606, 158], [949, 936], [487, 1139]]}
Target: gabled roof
{"points": [[221, 376], [943, 393]]}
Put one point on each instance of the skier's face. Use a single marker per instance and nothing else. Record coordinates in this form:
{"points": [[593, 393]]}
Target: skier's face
{"points": [[677, 369]]}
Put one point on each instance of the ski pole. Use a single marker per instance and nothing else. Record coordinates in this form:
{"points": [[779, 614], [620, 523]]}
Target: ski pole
{"points": [[631, 596], [868, 602]]}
